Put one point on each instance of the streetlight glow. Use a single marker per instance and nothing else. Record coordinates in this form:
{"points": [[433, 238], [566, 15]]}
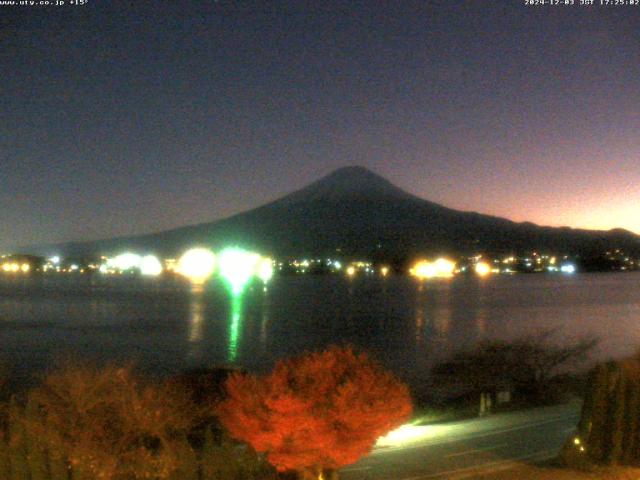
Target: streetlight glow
{"points": [[126, 261], [265, 269], [483, 269], [237, 266], [150, 266], [197, 264], [441, 268]]}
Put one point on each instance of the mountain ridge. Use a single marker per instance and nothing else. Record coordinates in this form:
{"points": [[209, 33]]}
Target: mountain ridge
{"points": [[356, 212]]}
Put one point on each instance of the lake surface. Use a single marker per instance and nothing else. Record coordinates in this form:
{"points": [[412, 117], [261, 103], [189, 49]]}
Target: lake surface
{"points": [[165, 326]]}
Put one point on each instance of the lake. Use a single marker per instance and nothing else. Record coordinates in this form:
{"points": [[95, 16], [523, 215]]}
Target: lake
{"points": [[165, 326]]}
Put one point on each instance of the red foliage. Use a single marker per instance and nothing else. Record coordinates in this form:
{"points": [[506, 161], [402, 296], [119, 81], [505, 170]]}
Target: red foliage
{"points": [[319, 410]]}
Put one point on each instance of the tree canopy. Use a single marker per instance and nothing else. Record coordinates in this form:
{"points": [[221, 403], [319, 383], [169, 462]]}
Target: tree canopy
{"points": [[321, 410], [526, 364], [111, 424]]}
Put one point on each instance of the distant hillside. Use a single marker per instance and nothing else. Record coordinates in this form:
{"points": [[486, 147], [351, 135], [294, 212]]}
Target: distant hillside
{"points": [[354, 212]]}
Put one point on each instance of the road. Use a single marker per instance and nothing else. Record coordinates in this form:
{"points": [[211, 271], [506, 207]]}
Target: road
{"points": [[469, 448]]}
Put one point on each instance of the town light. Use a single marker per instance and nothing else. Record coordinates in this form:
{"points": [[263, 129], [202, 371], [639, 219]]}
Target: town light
{"points": [[444, 267], [150, 265], [125, 261], [265, 269], [237, 266], [197, 264], [423, 269], [483, 269], [441, 268]]}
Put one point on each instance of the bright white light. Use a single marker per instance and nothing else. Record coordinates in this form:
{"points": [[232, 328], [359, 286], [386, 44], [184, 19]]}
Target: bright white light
{"points": [[568, 268], [150, 265], [197, 264], [55, 260], [265, 269], [237, 266], [126, 261], [412, 434]]}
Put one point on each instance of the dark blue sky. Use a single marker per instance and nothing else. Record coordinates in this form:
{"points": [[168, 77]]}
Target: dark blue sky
{"points": [[129, 117]]}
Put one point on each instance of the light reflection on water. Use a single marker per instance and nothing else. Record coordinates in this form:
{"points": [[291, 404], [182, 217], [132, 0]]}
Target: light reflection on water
{"points": [[167, 326], [196, 323], [235, 327], [264, 321]]}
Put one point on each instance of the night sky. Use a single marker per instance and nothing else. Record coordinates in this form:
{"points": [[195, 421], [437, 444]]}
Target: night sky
{"points": [[130, 117]]}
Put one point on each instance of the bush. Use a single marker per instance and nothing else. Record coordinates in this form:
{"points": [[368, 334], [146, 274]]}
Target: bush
{"points": [[87, 423], [525, 366], [109, 424], [317, 412]]}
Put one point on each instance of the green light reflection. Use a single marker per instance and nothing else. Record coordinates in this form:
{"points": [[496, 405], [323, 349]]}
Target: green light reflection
{"points": [[234, 330]]}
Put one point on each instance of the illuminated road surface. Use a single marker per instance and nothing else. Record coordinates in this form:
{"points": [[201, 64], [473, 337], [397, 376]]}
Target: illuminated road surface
{"points": [[469, 448]]}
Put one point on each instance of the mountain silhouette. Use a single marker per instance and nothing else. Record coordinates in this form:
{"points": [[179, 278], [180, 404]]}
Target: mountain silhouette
{"points": [[355, 212]]}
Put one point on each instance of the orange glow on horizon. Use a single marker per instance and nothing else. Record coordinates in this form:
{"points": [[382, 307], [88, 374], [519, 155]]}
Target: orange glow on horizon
{"points": [[559, 203]]}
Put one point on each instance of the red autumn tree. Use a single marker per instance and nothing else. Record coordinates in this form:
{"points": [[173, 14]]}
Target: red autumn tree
{"points": [[317, 411]]}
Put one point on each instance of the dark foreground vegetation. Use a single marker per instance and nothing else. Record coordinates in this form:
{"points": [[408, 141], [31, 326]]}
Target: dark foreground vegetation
{"points": [[534, 370], [609, 428], [87, 423], [310, 416], [501, 375], [307, 418]]}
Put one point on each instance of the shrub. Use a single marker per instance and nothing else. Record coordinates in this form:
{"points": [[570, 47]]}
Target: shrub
{"points": [[525, 365], [109, 424], [315, 412]]}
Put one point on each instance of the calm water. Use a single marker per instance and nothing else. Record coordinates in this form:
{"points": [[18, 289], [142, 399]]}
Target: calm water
{"points": [[164, 326]]}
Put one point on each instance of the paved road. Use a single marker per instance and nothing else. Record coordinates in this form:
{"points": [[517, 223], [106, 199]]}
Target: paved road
{"points": [[470, 448]]}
